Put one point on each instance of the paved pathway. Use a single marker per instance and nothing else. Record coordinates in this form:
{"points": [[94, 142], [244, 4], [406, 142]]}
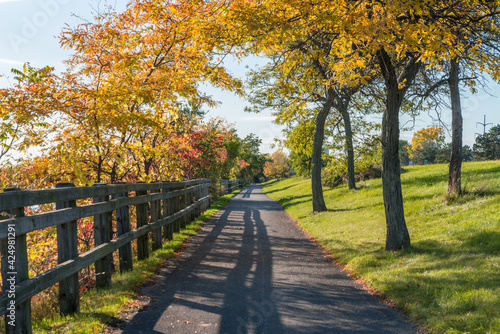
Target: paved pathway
{"points": [[251, 270]]}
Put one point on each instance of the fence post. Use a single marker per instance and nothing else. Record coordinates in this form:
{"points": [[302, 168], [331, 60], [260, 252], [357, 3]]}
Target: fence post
{"points": [[205, 189], [177, 208], [208, 190], [199, 195], [168, 230], [156, 215], [103, 266], [203, 192], [122, 227], [185, 201], [206, 193], [15, 270], [67, 249], [142, 220], [191, 200], [182, 205]]}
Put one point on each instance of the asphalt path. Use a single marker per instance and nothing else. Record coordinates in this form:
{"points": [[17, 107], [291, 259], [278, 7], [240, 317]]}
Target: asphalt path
{"points": [[252, 270]]}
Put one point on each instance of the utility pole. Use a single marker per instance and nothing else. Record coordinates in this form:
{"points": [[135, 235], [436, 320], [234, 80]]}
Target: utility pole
{"points": [[484, 124]]}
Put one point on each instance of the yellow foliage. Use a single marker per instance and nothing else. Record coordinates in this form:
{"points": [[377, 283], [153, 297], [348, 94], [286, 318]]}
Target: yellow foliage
{"points": [[426, 138]]}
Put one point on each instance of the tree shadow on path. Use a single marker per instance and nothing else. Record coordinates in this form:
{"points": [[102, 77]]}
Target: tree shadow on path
{"points": [[251, 270]]}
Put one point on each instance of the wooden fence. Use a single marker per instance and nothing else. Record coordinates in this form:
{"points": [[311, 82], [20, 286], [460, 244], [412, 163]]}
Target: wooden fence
{"points": [[231, 185], [162, 208]]}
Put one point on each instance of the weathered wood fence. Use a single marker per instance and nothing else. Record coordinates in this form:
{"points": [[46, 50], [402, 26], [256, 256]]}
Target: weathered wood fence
{"points": [[231, 185], [162, 208]]}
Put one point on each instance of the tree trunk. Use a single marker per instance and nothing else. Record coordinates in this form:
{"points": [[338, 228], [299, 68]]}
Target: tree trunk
{"points": [[397, 233], [319, 134], [147, 166], [455, 167], [349, 147], [99, 170]]}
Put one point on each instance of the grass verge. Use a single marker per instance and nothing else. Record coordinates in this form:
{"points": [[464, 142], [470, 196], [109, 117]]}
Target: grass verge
{"points": [[99, 308], [449, 280]]}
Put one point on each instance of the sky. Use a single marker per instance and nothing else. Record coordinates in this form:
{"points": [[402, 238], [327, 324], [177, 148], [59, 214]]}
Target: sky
{"points": [[29, 30]]}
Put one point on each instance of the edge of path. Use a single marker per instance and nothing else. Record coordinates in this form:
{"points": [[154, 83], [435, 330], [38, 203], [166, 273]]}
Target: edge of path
{"points": [[419, 326], [119, 322]]}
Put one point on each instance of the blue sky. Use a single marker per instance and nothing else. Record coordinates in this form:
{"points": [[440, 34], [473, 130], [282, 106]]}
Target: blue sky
{"points": [[29, 30]]}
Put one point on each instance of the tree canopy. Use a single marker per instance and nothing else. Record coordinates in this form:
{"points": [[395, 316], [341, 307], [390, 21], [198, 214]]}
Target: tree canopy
{"points": [[119, 107]]}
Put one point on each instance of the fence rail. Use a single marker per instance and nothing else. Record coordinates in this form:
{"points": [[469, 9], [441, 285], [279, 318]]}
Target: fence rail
{"points": [[162, 208], [231, 185]]}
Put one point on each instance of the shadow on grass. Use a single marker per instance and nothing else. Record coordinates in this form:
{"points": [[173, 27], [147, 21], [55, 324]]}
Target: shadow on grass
{"points": [[427, 180], [451, 282], [486, 171], [362, 185], [355, 208], [482, 174], [289, 201], [267, 191], [484, 241], [453, 287]]}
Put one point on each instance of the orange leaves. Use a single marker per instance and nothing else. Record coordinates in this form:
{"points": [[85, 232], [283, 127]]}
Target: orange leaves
{"points": [[425, 139], [279, 167]]}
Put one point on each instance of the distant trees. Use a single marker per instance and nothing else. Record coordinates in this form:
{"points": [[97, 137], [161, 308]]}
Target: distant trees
{"points": [[428, 147], [279, 167], [253, 160], [404, 157], [425, 145], [487, 146]]}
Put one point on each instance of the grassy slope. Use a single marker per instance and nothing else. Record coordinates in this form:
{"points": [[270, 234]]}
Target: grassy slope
{"points": [[98, 308], [450, 278]]}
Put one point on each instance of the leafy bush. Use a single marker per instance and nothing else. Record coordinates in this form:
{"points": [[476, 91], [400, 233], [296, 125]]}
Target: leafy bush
{"points": [[367, 165]]}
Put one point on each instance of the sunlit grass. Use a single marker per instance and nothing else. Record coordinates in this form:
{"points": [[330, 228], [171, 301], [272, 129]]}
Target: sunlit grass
{"points": [[99, 308], [450, 278]]}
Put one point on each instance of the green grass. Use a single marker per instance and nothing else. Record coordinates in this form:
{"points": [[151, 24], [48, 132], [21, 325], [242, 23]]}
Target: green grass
{"points": [[449, 280], [99, 308]]}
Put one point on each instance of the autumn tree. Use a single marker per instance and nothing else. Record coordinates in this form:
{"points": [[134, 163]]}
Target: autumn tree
{"points": [[139, 69], [401, 37], [471, 29], [425, 143], [23, 111], [278, 167], [118, 106], [477, 41], [302, 86], [359, 39]]}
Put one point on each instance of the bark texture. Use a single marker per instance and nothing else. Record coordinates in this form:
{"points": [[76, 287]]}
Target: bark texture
{"points": [[455, 166], [319, 134], [397, 232], [349, 148]]}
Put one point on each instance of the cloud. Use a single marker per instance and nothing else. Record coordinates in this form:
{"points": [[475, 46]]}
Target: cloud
{"points": [[258, 118], [2, 1], [8, 61]]}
